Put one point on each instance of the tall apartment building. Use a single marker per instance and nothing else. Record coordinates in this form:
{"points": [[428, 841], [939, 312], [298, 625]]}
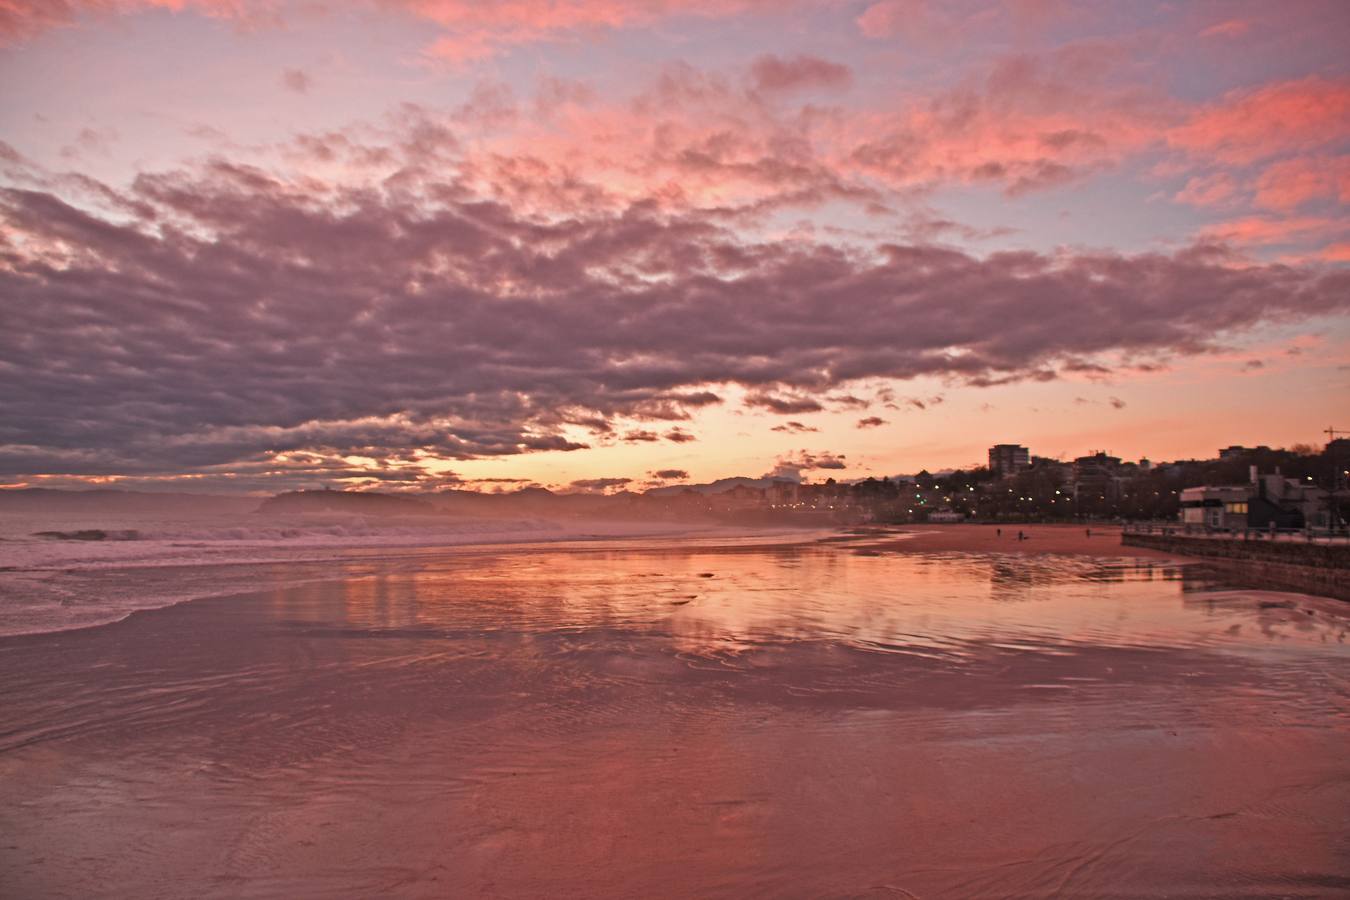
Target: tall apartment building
{"points": [[1096, 477], [1008, 459]]}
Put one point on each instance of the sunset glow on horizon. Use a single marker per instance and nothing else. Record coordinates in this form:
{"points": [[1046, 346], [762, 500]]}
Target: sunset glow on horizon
{"points": [[260, 245]]}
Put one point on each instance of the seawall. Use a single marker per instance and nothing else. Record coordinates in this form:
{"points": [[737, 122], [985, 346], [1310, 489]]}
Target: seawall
{"points": [[1322, 569]]}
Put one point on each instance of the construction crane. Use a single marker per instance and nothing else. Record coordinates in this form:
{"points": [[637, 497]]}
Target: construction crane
{"points": [[1332, 432]]}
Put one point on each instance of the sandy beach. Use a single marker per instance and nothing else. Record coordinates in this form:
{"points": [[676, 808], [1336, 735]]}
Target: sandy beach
{"points": [[1102, 541], [802, 720]]}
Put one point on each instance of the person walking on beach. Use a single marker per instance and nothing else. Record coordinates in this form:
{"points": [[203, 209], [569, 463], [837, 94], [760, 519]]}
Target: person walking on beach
{"points": [[998, 532], [1019, 535], [1089, 532]]}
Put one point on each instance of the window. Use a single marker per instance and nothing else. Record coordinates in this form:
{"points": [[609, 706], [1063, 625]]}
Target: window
{"points": [[1238, 508]]}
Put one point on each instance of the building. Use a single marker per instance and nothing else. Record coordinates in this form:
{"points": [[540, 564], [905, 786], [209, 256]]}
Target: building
{"points": [[1096, 478], [1287, 502], [1265, 501], [1237, 451], [687, 501], [782, 492], [739, 497], [946, 515], [1216, 506], [1009, 459], [1338, 449], [1053, 467]]}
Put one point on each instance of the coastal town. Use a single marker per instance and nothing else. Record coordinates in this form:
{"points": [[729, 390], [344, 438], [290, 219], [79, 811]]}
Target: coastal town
{"points": [[1303, 489], [1300, 488]]}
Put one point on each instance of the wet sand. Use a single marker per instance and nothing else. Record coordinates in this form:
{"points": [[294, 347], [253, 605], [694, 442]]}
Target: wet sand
{"points": [[1104, 541], [765, 722]]}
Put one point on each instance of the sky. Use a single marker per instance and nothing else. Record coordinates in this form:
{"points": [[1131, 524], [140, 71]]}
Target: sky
{"points": [[259, 245]]}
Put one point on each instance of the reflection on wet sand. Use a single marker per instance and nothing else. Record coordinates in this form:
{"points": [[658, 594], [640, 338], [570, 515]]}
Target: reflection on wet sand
{"points": [[791, 721]]}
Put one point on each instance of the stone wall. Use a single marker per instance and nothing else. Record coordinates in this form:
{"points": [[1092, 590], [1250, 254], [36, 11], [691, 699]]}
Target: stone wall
{"points": [[1322, 569]]}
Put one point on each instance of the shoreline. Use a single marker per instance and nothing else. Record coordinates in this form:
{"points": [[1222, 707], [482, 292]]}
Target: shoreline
{"points": [[294, 566], [1070, 540], [308, 568]]}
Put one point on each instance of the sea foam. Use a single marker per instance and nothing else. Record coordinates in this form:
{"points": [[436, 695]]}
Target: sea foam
{"points": [[77, 571]]}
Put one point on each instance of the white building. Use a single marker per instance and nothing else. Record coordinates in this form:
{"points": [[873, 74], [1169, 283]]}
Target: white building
{"points": [[1266, 500], [1216, 507]]}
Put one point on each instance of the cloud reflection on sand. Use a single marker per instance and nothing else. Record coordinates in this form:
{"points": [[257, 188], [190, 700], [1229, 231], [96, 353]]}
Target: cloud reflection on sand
{"points": [[783, 721]]}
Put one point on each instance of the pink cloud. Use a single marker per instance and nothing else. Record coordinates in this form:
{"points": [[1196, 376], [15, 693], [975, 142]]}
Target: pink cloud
{"points": [[1251, 125], [471, 29], [1264, 230], [770, 73], [24, 18], [1032, 121], [296, 80], [919, 21], [693, 138], [1207, 190], [740, 142], [1232, 28], [1291, 183], [491, 105], [1338, 252], [476, 29], [555, 95], [914, 19]]}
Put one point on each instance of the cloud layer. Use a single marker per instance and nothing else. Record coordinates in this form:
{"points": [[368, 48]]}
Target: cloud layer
{"points": [[225, 316]]}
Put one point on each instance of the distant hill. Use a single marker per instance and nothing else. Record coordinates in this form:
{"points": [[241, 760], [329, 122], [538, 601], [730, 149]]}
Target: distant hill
{"points": [[111, 502], [719, 486], [532, 501], [528, 502], [349, 502]]}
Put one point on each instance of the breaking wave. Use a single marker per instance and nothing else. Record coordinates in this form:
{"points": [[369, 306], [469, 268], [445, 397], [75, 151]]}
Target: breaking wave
{"points": [[78, 572]]}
